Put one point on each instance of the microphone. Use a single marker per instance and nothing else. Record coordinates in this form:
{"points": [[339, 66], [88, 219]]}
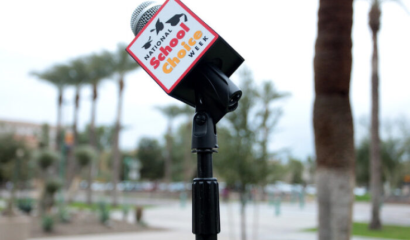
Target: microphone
{"points": [[142, 14], [185, 56]]}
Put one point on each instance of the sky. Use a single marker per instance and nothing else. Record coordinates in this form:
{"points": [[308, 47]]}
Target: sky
{"points": [[276, 39]]}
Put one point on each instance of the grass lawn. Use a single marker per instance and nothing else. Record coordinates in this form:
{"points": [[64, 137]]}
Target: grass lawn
{"points": [[94, 206], [364, 198], [85, 206], [388, 231]]}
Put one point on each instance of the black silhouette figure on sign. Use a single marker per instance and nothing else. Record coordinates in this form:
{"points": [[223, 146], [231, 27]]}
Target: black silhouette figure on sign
{"points": [[148, 44], [175, 19], [159, 26]]}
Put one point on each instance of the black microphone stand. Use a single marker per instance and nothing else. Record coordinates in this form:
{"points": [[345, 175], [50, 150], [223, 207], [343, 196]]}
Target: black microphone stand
{"points": [[205, 191]]}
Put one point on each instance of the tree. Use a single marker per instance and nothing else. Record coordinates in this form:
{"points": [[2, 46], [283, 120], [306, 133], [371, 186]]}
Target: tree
{"points": [[51, 187], [277, 171], [186, 133], [362, 162], [311, 169], [375, 169], [14, 163], [237, 161], [183, 161], [103, 134], [170, 112], [149, 153], [243, 138], [78, 74], [295, 168], [85, 156], [332, 119], [376, 165], [99, 68], [44, 136], [104, 140], [121, 63], [392, 156], [269, 117], [46, 160], [58, 76]]}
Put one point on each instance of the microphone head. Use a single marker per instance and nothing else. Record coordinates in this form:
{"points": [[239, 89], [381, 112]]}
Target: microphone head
{"points": [[142, 14]]}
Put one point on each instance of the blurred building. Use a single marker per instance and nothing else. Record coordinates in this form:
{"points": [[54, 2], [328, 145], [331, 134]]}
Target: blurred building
{"points": [[33, 134]]}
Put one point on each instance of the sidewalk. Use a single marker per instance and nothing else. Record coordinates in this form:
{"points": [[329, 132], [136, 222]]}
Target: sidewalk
{"points": [[287, 226]]}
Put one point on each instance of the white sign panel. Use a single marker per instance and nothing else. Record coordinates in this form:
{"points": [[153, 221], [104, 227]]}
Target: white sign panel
{"points": [[171, 43]]}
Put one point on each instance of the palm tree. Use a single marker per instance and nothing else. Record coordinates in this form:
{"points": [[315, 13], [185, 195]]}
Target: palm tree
{"points": [[78, 74], [121, 64], [58, 76], [375, 169], [170, 112], [99, 68], [332, 119], [376, 165]]}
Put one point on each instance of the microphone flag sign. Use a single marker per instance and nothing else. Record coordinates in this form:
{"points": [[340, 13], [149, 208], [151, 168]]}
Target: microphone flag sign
{"points": [[171, 43]]}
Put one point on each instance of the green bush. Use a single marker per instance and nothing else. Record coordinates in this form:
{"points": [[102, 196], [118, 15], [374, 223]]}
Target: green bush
{"points": [[52, 186], [63, 214], [25, 205], [104, 212], [47, 158], [47, 223], [84, 155], [14, 160], [125, 210]]}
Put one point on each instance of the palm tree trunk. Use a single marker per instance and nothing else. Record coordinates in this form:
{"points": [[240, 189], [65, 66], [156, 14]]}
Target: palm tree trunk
{"points": [[168, 158], [93, 142], [255, 214], [90, 181], [92, 136], [116, 150], [15, 180], [242, 195], [375, 169], [332, 119], [230, 220], [75, 123], [71, 157], [59, 119]]}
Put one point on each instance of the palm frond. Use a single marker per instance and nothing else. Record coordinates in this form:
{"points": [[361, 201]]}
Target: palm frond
{"points": [[57, 75], [123, 62], [99, 66]]}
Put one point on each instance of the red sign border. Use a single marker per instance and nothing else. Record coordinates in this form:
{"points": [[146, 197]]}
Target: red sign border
{"points": [[192, 64]]}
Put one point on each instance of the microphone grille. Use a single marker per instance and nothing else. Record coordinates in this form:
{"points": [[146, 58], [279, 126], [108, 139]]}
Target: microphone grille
{"points": [[142, 14]]}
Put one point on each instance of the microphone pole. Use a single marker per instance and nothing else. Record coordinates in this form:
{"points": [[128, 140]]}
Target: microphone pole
{"points": [[205, 190]]}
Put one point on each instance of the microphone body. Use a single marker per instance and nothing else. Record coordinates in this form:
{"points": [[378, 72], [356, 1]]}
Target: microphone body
{"points": [[220, 55]]}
